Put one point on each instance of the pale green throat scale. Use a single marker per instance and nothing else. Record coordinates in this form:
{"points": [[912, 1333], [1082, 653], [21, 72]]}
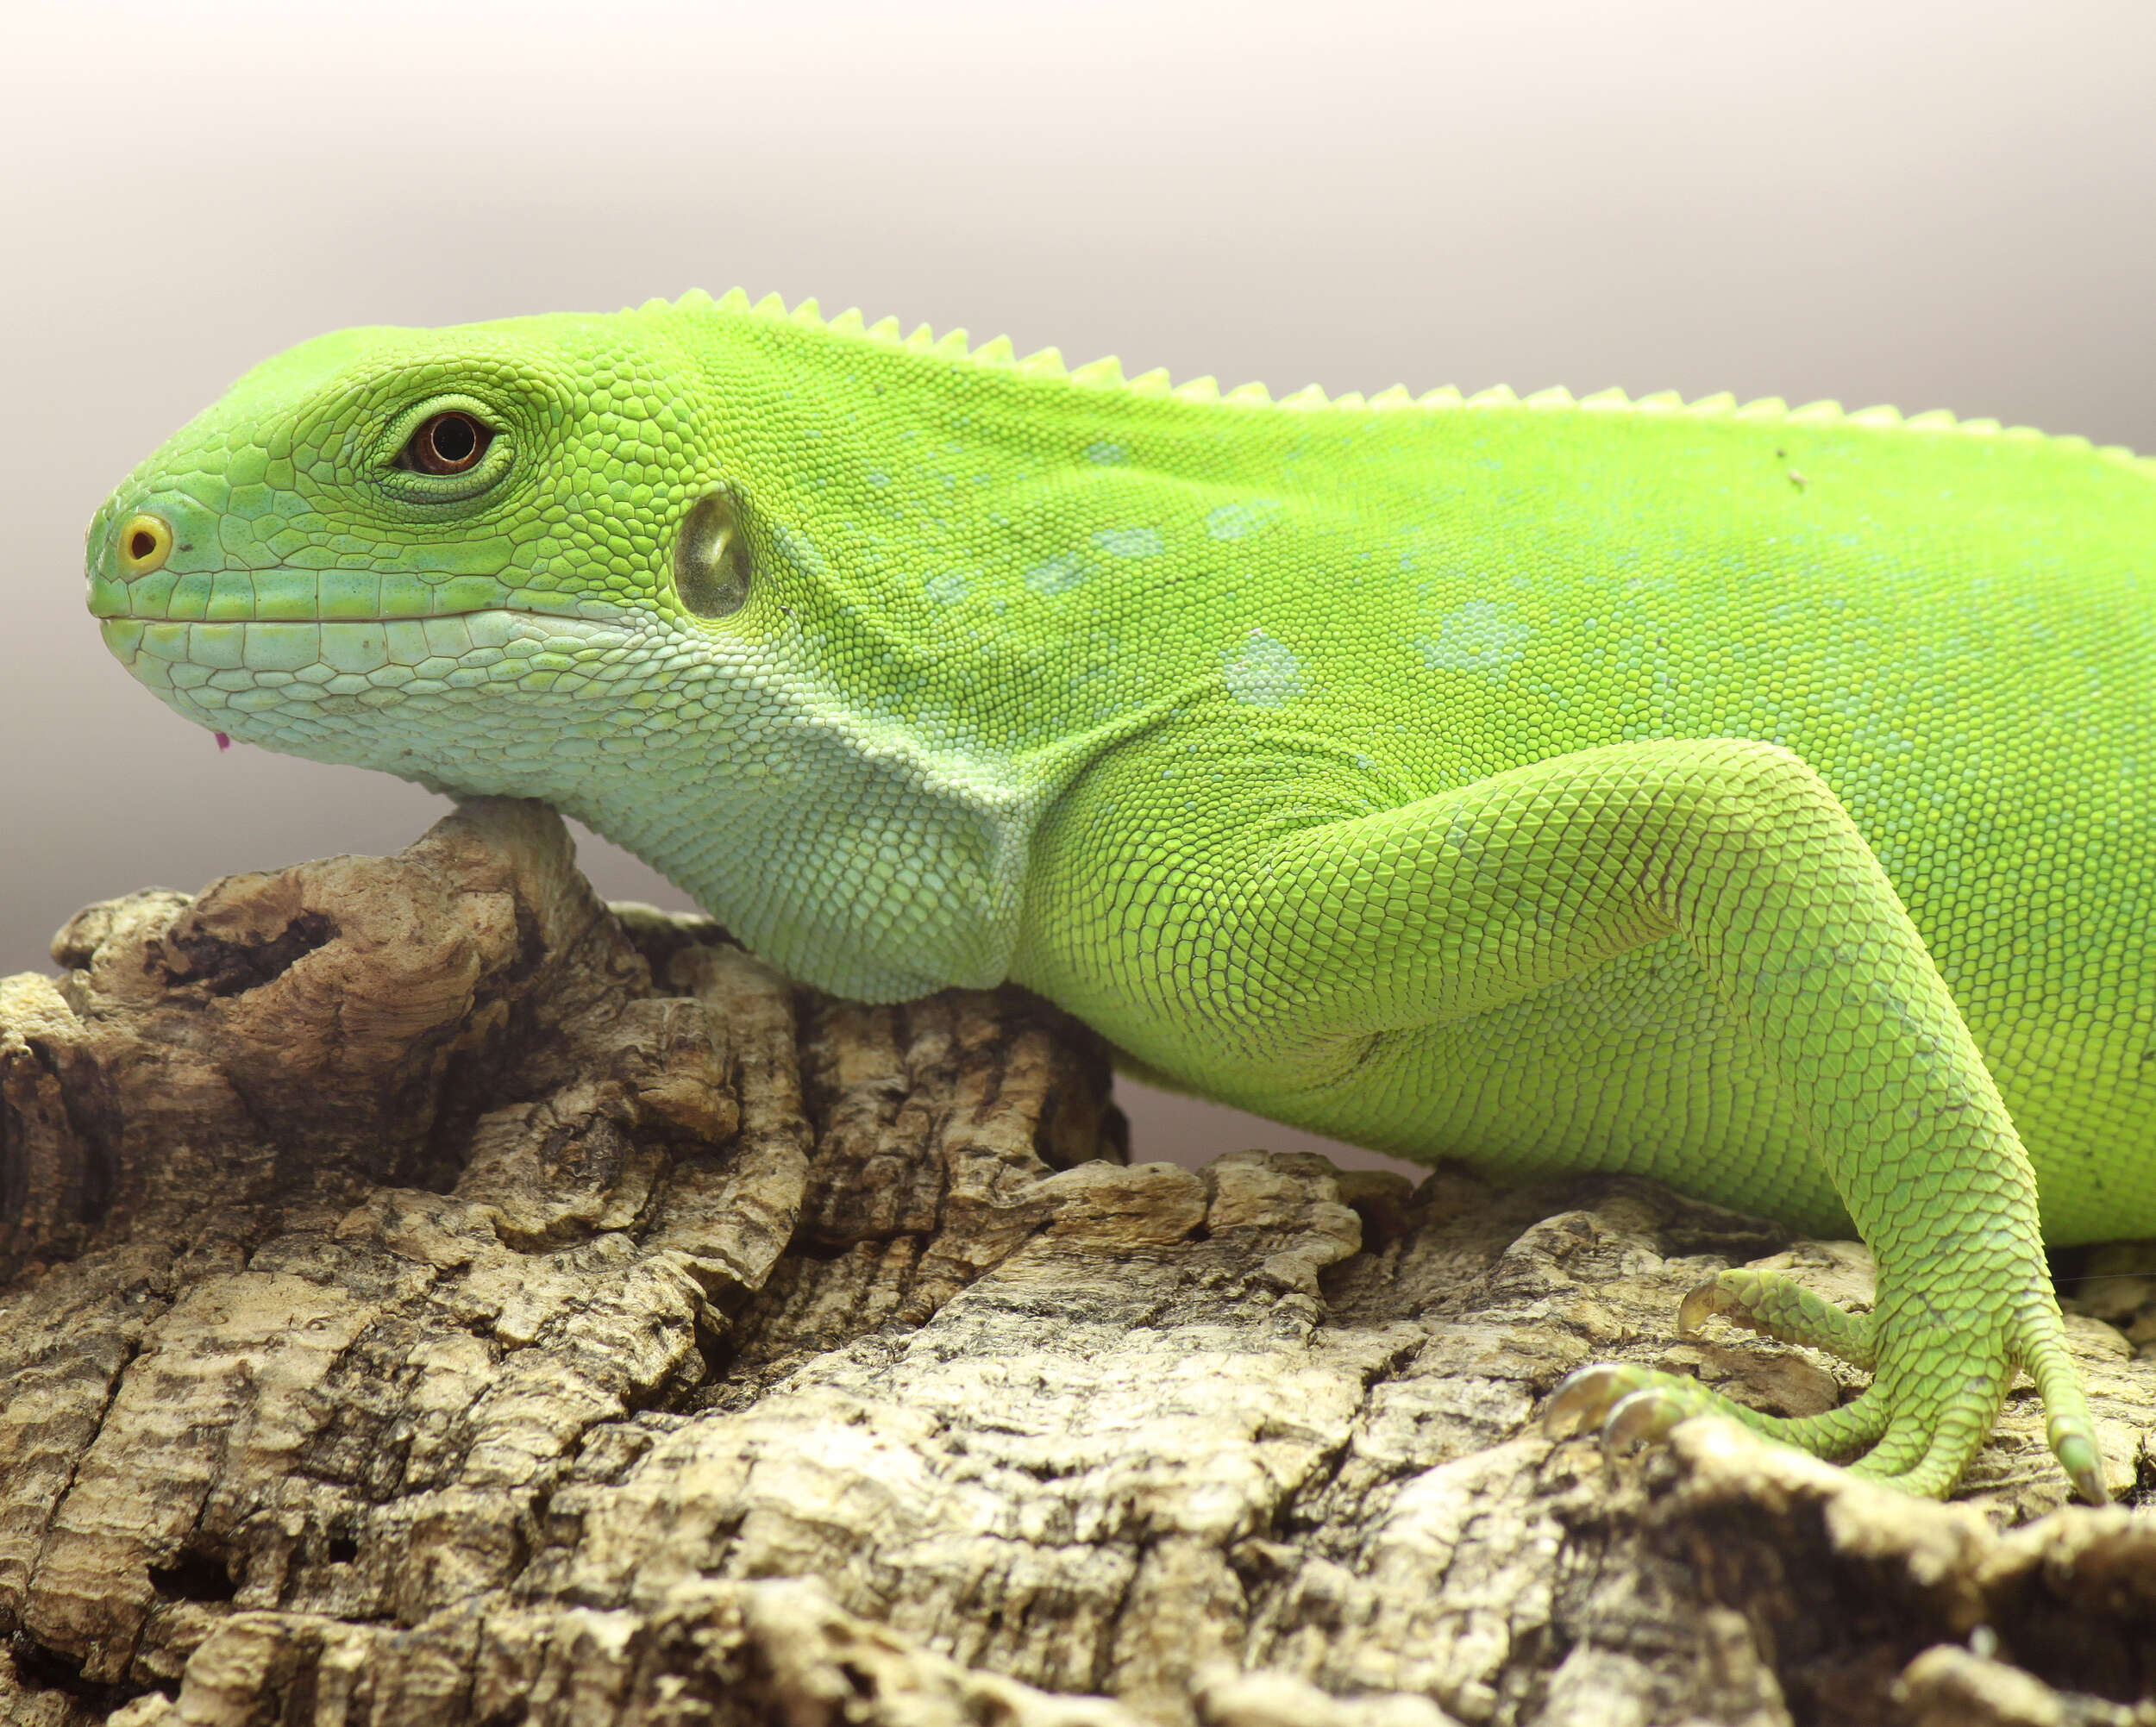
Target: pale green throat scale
{"points": [[1751, 797]]}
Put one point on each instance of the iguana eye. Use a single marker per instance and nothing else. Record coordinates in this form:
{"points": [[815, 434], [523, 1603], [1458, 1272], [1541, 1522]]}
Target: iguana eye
{"points": [[451, 443]]}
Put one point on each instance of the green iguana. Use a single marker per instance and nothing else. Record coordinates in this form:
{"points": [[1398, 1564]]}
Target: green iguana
{"points": [[1751, 797]]}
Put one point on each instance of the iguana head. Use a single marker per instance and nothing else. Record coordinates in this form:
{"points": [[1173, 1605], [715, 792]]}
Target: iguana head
{"points": [[552, 558], [427, 551]]}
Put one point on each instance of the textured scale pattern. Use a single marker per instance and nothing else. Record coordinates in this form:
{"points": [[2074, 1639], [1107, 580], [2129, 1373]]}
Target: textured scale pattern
{"points": [[1746, 796]]}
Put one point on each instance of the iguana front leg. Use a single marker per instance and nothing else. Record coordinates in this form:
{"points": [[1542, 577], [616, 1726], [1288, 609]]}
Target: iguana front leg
{"points": [[1302, 951]]}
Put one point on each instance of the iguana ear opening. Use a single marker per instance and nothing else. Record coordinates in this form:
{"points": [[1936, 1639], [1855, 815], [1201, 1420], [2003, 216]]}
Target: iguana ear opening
{"points": [[711, 557]]}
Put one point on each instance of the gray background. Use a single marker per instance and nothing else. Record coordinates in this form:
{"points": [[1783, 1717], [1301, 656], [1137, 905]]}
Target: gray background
{"points": [[1931, 202]]}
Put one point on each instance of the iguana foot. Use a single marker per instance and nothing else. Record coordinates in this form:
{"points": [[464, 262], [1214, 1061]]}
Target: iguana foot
{"points": [[1939, 1384], [1779, 1307], [1635, 1407]]}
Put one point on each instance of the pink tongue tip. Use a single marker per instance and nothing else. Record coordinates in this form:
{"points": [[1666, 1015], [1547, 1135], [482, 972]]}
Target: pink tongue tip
{"points": [[223, 743]]}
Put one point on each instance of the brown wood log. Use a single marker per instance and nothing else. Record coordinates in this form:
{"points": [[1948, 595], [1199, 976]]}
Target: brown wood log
{"points": [[435, 1297]]}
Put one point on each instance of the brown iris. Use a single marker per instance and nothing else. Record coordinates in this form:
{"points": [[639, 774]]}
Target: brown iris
{"points": [[449, 442]]}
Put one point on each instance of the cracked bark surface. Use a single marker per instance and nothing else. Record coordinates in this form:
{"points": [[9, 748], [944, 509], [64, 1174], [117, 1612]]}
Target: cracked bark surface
{"points": [[433, 1297]]}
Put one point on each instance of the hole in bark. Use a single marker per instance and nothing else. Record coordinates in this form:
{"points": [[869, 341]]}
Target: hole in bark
{"points": [[821, 1249], [15, 1137], [471, 1081], [50, 1670], [15, 1166], [100, 1175], [989, 1711], [193, 1577], [1198, 1232], [343, 1550], [531, 948], [863, 1684], [230, 968], [720, 1350]]}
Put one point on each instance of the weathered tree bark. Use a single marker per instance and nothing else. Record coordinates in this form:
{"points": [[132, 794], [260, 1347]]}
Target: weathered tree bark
{"points": [[434, 1297]]}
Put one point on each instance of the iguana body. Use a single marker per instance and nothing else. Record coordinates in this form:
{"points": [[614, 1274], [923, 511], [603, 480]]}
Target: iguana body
{"points": [[1529, 783]]}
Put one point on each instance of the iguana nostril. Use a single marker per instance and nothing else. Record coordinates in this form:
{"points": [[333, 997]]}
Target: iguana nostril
{"points": [[145, 543]]}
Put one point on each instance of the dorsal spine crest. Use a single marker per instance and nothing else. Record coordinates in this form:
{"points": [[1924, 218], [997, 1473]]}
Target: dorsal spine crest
{"points": [[1107, 373]]}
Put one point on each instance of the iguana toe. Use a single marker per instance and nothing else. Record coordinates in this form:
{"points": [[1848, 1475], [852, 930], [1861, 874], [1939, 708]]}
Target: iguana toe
{"points": [[1641, 1417], [1587, 1395]]}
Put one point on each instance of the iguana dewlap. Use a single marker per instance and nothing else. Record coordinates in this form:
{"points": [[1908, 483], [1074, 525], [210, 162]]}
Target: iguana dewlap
{"points": [[1754, 798]]}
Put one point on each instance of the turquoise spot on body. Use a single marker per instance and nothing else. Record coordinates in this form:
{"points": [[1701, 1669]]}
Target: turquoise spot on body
{"points": [[1481, 637], [798, 550], [1239, 521], [1263, 672], [1057, 574], [1131, 542]]}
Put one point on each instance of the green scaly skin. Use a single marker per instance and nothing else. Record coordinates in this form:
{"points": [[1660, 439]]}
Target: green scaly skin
{"points": [[1742, 797]]}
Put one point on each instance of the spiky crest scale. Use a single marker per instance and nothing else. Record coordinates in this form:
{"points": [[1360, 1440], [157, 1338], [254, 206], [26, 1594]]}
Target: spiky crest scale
{"points": [[1107, 373], [1104, 373]]}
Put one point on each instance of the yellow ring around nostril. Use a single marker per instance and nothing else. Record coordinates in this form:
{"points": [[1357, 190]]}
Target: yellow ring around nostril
{"points": [[145, 543]]}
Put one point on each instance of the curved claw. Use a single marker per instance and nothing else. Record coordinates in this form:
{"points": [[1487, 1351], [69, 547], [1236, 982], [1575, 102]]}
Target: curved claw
{"points": [[1702, 1302], [1638, 1419], [2068, 1426], [2083, 1464], [1585, 1396]]}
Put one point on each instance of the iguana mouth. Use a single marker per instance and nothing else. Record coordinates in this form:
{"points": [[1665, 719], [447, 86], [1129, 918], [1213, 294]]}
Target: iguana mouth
{"points": [[438, 649], [234, 639], [282, 594]]}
